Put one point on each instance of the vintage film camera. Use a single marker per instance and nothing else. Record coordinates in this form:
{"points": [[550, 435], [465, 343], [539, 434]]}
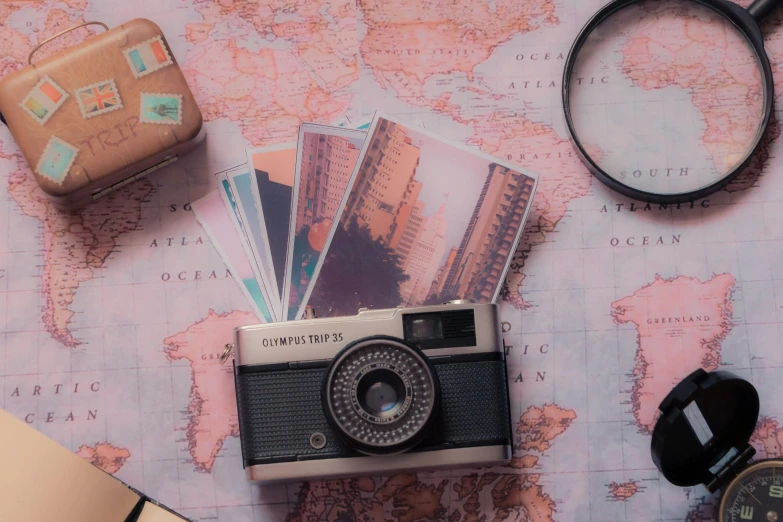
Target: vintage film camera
{"points": [[380, 392]]}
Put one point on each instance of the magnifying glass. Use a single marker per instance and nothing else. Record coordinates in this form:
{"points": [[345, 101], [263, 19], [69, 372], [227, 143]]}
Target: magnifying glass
{"points": [[666, 101]]}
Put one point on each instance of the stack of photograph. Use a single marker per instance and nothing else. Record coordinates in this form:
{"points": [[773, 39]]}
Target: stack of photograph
{"points": [[384, 215]]}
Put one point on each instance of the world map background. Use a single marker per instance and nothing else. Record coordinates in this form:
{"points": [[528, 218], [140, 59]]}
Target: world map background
{"points": [[112, 320]]}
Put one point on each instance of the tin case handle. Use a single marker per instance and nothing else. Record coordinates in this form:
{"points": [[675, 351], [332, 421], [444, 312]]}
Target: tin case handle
{"points": [[30, 58]]}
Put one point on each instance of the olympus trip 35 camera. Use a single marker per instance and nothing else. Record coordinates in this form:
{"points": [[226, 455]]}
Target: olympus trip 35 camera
{"points": [[383, 391]]}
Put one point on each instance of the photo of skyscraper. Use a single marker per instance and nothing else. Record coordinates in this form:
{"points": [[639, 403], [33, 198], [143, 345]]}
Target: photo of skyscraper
{"points": [[425, 221], [327, 165], [490, 238], [421, 265], [326, 159]]}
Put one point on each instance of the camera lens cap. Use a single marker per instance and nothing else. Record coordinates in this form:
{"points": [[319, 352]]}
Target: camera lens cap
{"points": [[704, 418]]}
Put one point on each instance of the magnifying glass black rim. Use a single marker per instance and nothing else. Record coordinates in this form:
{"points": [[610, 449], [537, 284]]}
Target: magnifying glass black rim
{"points": [[746, 25]]}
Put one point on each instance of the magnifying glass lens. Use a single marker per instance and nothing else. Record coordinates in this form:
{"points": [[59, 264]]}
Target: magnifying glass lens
{"points": [[667, 97]]}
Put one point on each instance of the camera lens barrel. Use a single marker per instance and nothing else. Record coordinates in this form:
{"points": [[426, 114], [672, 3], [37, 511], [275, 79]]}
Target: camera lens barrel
{"points": [[381, 394]]}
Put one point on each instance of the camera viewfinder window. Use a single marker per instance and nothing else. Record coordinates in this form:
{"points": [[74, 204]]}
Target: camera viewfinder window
{"points": [[423, 327]]}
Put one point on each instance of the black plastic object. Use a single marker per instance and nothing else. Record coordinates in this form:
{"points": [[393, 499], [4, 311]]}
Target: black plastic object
{"points": [[730, 407], [746, 22]]}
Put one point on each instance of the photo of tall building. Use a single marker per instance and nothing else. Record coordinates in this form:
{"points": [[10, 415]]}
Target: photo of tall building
{"points": [[407, 222], [327, 165], [386, 202], [421, 264], [436, 290], [491, 235], [425, 221], [389, 168]]}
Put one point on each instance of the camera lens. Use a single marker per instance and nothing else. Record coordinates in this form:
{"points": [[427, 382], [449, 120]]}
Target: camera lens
{"points": [[381, 393]]}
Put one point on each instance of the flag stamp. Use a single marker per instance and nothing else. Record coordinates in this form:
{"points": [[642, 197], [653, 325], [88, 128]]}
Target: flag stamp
{"points": [[98, 98], [43, 100], [56, 160], [147, 57], [164, 109]]}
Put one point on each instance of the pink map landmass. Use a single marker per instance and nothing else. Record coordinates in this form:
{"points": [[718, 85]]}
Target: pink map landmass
{"points": [[74, 245], [681, 324], [711, 61], [303, 73], [539, 426], [105, 456], [409, 41], [623, 491], [212, 410], [767, 439]]}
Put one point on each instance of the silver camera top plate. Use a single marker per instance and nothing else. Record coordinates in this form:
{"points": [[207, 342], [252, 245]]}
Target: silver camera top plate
{"points": [[319, 339]]}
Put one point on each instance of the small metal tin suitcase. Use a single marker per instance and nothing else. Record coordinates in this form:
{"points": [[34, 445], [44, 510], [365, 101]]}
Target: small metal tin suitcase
{"points": [[94, 117]]}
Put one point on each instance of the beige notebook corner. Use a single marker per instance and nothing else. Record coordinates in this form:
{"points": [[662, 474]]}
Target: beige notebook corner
{"points": [[40, 481], [153, 513]]}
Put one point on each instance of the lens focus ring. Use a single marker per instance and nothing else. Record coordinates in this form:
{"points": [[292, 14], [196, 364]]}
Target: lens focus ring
{"points": [[381, 394]]}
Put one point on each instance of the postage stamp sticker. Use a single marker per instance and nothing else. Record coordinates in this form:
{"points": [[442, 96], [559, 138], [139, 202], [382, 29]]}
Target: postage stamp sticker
{"points": [[56, 160], [148, 57], [160, 108], [98, 98], [43, 100]]}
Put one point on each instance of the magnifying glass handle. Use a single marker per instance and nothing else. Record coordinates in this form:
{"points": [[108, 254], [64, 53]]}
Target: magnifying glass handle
{"points": [[761, 8]]}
